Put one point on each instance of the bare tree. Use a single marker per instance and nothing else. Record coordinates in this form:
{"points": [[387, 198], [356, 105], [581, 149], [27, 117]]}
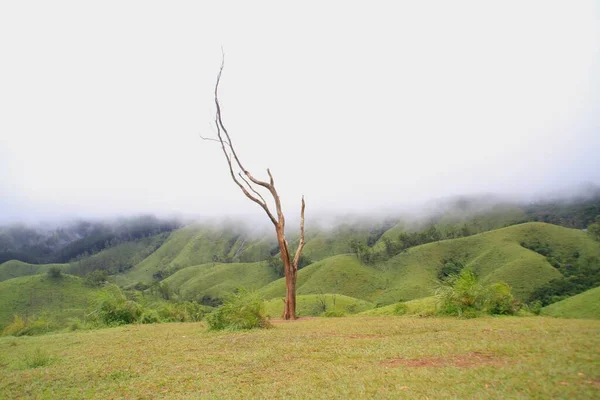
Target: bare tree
{"points": [[251, 186]]}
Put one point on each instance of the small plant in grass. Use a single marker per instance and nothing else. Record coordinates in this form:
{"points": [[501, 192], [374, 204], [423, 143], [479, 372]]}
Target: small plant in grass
{"points": [[333, 314], [39, 358], [242, 310]]}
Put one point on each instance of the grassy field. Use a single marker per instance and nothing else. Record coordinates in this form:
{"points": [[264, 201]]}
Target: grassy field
{"points": [[583, 305], [359, 357]]}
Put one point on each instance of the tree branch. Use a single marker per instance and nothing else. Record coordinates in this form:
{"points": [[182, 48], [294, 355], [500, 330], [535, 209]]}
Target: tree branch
{"points": [[301, 244]]}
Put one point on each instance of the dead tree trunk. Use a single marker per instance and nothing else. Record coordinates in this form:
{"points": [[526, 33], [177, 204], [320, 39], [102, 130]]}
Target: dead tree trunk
{"points": [[250, 186]]}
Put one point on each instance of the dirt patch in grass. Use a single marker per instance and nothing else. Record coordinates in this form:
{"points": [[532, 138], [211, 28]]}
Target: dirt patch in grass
{"points": [[470, 360]]}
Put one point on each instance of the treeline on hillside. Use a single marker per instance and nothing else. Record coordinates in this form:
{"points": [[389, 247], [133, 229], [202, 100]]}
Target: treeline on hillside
{"points": [[578, 214], [578, 273], [65, 243], [391, 247]]}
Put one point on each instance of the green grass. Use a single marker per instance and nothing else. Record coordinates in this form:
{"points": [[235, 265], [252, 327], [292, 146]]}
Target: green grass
{"points": [[310, 305], [426, 306], [118, 258], [323, 243], [583, 305], [195, 245], [14, 269], [39, 295], [216, 279], [342, 274], [345, 358]]}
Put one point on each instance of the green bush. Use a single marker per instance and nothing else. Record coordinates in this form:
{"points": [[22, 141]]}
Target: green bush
{"points": [[54, 273], [536, 307], [462, 295], [400, 309], [149, 317], [113, 308], [242, 310], [499, 300]]}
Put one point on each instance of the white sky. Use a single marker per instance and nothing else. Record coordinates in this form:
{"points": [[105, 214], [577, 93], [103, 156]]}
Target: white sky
{"points": [[357, 107]]}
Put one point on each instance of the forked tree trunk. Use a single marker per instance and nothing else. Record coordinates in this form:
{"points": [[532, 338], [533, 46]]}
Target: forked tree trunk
{"points": [[290, 266]]}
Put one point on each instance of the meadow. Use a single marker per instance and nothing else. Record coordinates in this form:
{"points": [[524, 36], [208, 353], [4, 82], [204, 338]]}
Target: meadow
{"points": [[351, 357]]}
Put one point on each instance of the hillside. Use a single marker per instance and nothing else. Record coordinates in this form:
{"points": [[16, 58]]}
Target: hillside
{"points": [[493, 256], [195, 245], [215, 280], [14, 269], [39, 295], [583, 305]]}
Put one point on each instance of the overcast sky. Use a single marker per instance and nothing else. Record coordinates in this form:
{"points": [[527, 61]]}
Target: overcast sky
{"points": [[357, 107]]}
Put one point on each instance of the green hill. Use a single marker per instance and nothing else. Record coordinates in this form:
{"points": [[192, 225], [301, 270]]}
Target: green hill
{"points": [[38, 295], [195, 245], [14, 269], [118, 258], [494, 256], [583, 305], [215, 280], [341, 274]]}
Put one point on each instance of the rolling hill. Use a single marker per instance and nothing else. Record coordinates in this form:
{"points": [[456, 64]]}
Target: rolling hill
{"points": [[195, 245], [215, 280], [14, 269], [584, 305], [494, 256]]}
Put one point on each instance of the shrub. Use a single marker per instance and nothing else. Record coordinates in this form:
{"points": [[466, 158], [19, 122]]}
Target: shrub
{"points": [[499, 300], [459, 293], [536, 307], [113, 308], [149, 317], [242, 310], [400, 309], [464, 296], [54, 273]]}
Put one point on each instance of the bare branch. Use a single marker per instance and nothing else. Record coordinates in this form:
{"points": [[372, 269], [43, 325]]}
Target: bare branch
{"points": [[251, 188], [301, 244], [214, 140], [220, 127]]}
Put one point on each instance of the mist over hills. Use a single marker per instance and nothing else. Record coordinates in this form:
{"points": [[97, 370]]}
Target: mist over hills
{"points": [[355, 263]]}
